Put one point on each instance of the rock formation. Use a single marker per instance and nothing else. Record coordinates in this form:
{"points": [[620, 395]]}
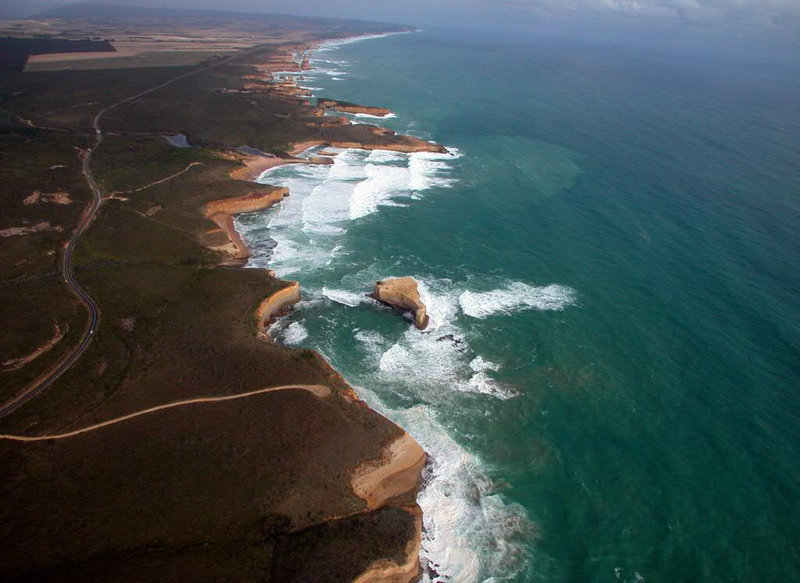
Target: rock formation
{"points": [[222, 212], [352, 107], [277, 304], [255, 201], [402, 293]]}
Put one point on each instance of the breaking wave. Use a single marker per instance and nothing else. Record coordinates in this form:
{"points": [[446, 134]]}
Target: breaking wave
{"points": [[344, 297], [514, 297], [471, 531]]}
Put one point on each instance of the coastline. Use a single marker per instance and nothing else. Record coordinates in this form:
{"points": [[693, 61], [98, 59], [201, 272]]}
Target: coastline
{"points": [[256, 165], [223, 211], [182, 341], [394, 478]]}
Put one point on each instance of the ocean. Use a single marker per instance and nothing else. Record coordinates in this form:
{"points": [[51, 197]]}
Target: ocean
{"points": [[609, 389]]}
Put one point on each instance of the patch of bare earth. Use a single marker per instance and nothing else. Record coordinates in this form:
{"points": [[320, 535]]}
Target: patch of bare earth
{"points": [[59, 197], [17, 363], [26, 230]]}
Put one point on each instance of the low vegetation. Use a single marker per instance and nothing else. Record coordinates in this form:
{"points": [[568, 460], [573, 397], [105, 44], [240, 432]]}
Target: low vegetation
{"points": [[201, 492]]}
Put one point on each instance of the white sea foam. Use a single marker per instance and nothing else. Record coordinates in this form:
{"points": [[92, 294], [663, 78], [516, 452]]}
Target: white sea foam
{"points": [[385, 156], [356, 184], [514, 297], [370, 116], [383, 182], [294, 333], [345, 297], [323, 229], [277, 74], [374, 343], [347, 165], [469, 531], [440, 359], [333, 44], [481, 382]]}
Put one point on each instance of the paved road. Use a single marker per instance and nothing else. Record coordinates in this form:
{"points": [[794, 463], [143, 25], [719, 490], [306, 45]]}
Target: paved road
{"points": [[50, 377]]}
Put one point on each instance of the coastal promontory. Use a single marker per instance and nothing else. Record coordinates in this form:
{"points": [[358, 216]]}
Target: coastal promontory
{"points": [[354, 108]]}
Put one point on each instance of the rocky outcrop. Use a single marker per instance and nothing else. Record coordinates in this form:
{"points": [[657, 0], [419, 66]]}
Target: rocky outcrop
{"points": [[254, 201], [324, 160], [275, 304], [406, 146], [385, 140], [222, 212], [402, 293], [346, 107]]}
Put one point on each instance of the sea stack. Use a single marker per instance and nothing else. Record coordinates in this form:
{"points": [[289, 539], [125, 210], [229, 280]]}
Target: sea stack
{"points": [[402, 293]]}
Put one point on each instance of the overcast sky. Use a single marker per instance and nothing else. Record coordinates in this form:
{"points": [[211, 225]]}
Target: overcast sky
{"points": [[771, 24], [733, 21], [768, 13]]}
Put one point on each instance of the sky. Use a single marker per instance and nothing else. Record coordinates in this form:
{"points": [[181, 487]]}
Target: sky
{"points": [[767, 25], [766, 13], [771, 25]]}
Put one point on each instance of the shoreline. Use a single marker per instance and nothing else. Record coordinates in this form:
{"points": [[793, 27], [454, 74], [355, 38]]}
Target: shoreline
{"points": [[255, 165], [178, 375], [223, 211], [396, 475]]}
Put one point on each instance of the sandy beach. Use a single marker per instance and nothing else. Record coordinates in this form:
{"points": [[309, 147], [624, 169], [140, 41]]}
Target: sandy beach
{"points": [[254, 166]]}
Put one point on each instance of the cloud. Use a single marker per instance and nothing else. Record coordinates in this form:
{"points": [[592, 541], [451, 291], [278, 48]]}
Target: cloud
{"points": [[762, 15], [759, 12]]}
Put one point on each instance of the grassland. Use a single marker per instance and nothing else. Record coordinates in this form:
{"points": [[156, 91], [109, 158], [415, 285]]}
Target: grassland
{"points": [[257, 489]]}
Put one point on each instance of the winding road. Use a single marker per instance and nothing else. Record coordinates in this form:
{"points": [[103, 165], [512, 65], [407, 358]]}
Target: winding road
{"points": [[49, 377]]}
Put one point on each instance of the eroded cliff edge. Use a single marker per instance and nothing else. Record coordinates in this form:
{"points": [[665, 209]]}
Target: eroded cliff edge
{"points": [[285, 485]]}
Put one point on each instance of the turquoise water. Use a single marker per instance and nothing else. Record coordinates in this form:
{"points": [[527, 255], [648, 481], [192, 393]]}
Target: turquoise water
{"points": [[609, 386]]}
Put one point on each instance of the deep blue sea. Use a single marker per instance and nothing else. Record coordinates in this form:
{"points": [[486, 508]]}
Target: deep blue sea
{"points": [[609, 389]]}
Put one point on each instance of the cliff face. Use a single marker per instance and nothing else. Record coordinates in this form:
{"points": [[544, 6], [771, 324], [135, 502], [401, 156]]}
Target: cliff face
{"points": [[278, 302], [222, 212], [254, 201], [367, 139], [402, 293], [407, 144], [352, 107]]}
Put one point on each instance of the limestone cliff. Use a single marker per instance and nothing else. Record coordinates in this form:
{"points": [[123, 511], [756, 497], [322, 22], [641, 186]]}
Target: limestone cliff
{"points": [[402, 293], [276, 303], [245, 204], [352, 107], [222, 212]]}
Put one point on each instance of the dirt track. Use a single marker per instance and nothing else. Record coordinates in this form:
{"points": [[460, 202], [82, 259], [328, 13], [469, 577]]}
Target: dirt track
{"points": [[318, 390]]}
